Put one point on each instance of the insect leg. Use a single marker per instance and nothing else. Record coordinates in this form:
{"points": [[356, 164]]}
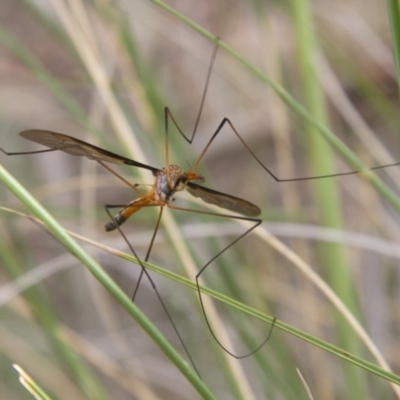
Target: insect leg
{"points": [[21, 153], [256, 222], [274, 176], [145, 272]]}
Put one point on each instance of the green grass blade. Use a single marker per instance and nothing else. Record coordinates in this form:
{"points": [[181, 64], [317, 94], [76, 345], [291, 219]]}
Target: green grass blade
{"points": [[394, 18], [343, 354], [106, 281], [30, 384]]}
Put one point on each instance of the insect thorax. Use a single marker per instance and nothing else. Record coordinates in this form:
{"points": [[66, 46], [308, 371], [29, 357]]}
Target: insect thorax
{"points": [[177, 179], [175, 176]]}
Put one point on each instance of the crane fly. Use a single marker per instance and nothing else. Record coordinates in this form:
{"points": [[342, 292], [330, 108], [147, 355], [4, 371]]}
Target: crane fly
{"points": [[168, 181]]}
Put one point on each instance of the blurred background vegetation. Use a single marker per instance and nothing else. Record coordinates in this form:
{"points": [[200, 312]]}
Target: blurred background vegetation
{"points": [[103, 72]]}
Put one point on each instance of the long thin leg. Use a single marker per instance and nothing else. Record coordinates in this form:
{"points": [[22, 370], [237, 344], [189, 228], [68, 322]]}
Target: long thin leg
{"points": [[256, 222], [168, 114], [21, 153], [109, 169], [227, 121], [117, 225], [148, 251], [145, 272]]}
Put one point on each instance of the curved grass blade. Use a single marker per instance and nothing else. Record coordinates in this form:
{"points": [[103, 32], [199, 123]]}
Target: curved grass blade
{"points": [[106, 281]]}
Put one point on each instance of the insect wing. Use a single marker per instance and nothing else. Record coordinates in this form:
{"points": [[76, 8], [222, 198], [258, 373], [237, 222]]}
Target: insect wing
{"points": [[76, 147], [223, 200]]}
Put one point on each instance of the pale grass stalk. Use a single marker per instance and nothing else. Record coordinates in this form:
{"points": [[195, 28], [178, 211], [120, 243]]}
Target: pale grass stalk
{"points": [[91, 353], [54, 379], [310, 396], [30, 384]]}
